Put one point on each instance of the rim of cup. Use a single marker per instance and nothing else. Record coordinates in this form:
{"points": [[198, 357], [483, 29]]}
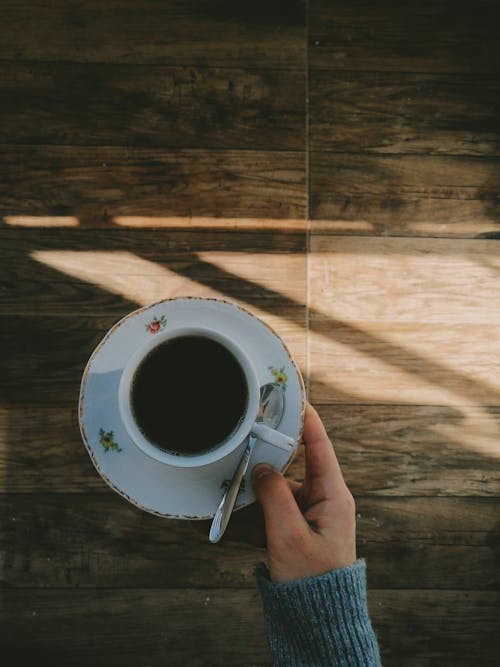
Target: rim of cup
{"points": [[215, 453]]}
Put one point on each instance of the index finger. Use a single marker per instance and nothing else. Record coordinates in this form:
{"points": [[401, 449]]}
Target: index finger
{"points": [[321, 461]]}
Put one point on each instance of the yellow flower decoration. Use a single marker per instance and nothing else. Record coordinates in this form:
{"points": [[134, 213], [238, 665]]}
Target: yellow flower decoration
{"points": [[107, 440], [280, 377]]}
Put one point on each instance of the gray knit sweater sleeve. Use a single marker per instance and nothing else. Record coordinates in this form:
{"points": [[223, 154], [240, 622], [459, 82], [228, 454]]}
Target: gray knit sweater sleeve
{"points": [[319, 621]]}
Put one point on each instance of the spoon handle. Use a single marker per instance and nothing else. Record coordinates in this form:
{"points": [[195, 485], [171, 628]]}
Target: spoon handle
{"points": [[223, 513], [273, 437]]}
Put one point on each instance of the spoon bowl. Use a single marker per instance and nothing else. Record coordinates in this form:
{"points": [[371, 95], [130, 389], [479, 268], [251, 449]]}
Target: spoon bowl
{"points": [[272, 405]]}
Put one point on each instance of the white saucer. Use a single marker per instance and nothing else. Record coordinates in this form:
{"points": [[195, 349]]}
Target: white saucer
{"points": [[181, 493]]}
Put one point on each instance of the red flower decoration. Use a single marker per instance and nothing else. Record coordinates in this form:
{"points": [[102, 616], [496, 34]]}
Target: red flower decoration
{"points": [[156, 324]]}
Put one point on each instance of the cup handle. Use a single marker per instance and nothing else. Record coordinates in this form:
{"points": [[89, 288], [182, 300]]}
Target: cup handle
{"points": [[269, 435]]}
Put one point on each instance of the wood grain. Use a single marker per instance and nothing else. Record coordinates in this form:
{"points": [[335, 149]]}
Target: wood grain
{"points": [[412, 450], [97, 183], [156, 244], [184, 107], [62, 271], [402, 362], [41, 448], [393, 112], [446, 281], [405, 195], [415, 628], [144, 627], [425, 628], [384, 450], [181, 32], [100, 540], [44, 357], [415, 325], [155, 149], [431, 36], [414, 543]]}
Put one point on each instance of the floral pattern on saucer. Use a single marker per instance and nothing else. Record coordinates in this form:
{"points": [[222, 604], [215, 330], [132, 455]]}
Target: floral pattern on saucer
{"points": [[280, 377], [156, 325], [107, 440]]}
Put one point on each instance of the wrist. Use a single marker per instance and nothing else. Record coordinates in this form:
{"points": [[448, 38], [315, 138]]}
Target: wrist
{"points": [[306, 568]]}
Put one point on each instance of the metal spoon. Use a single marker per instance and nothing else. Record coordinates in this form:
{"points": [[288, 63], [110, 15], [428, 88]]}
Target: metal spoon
{"points": [[270, 412]]}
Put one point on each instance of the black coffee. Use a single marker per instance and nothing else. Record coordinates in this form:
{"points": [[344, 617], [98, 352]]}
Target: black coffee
{"points": [[188, 395]]}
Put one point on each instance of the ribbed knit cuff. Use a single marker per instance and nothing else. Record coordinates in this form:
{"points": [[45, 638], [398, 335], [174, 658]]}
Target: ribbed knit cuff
{"points": [[319, 621]]}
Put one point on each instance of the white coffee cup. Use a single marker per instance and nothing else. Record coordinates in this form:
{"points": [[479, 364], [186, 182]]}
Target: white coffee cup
{"points": [[246, 425]]}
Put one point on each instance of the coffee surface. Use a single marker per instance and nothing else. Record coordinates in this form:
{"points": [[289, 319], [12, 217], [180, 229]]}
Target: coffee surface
{"points": [[188, 395]]}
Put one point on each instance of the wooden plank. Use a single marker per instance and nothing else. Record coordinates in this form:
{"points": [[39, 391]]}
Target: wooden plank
{"points": [[218, 235], [415, 628], [180, 32], [408, 321], [134, 627], [392, 112], [58, 271], [184, 107], [446, 628], [44, 357], [81, 540], [95, 184], [404, 195], [413, 450], [384, 450], [447, 281], [33, 370], [41, 448], [431, 36], [48, 292], [104, 541], [402, 362], [404, 539]]}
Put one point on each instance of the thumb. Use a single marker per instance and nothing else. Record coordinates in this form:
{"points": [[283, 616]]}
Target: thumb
{"points": [[281, 512]]}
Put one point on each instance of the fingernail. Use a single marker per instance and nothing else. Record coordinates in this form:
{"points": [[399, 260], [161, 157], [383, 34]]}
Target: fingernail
{"points": [[261, 470]]}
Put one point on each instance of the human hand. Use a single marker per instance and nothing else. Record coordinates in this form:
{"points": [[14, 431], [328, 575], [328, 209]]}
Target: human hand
{"points": [[311, 527]]}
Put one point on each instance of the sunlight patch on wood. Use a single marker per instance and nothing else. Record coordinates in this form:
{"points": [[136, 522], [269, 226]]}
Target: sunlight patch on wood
{"points": [[213, 223], [402, 363], [432, 227], [280, 273], [406, 320], [344, 374], [123, 273], [373, 281], [480, 435], [41, 221], [144, 282]]}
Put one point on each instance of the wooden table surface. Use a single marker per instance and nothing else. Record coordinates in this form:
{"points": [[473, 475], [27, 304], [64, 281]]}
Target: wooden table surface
{"points": [[335, 168]]}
